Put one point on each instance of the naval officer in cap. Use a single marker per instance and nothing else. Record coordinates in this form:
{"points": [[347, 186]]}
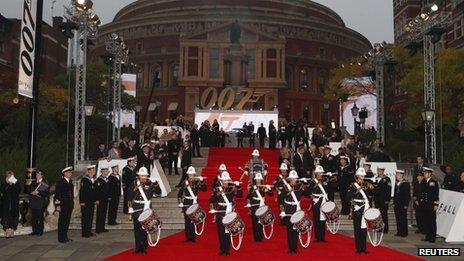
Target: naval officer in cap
{"points": [[64, 199]]}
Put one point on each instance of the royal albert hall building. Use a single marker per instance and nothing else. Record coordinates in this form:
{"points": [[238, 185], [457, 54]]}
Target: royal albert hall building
{"points": [[233, 54]]}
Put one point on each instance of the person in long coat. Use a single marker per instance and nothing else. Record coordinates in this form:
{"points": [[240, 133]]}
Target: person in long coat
{"points": [[9, 194]]}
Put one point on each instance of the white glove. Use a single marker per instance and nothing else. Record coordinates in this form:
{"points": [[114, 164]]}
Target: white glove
{"points": [[304, 180], [245, 172], [268, 187], [329, 174], [131, 210], [282, 214], [212, 211], [181, 205], [200, 178], [236, 183], [248, 205]]}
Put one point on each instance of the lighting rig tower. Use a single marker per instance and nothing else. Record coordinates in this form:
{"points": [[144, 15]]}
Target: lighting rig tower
{"points": [[80, 16], [117, 48], [428, 27]]}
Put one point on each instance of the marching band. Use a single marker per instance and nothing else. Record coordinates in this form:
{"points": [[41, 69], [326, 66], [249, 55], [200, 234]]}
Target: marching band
{"points": [[364, 199]]}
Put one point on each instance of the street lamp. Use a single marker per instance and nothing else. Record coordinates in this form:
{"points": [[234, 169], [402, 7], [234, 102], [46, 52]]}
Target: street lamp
{"points": [[428, 116], [89, 111]]}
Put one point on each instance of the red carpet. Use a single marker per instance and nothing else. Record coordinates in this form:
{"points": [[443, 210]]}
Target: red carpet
{"points": [[338, 247]]}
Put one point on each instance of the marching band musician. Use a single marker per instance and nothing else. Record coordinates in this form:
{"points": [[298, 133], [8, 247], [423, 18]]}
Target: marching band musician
{"points": [[128, 178], [141, 192], [428, 202], [401, 200], [216, 182], [346, 179], [279, 184], [102, 192], [289, 201], [319, 196], [187, 196], [222, 203], [255, 165], [256, 199], [114, 187], [357, 194], [87, 200], [382, 195]]}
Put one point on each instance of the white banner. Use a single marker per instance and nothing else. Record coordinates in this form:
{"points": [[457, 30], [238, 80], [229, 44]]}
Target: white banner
{"points": [[129, 81], [450, 214], [27, 48]]}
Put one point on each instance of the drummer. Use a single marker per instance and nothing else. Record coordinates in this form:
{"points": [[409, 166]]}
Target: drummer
{"points": [[221, 203], [255, 165], [319, 196], [140, 195], [255, 200], [357, 195], [289, 202], [279, 183], [187, 197]]}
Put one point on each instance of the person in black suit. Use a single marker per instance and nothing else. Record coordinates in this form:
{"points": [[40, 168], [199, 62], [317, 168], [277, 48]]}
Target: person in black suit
{"points": [[185, 162], [450, 182], [38, 198], [144, 158], [302, 162], [87, 200], [64, 199], [130, 151], [101, 152], [114, 189], [461, 183], [9, 202], [195, 140], [102, 193], [173, 154], [346, 177], [416, 192], [128, 177], [262, 135], [272, 135], [401, 201]]}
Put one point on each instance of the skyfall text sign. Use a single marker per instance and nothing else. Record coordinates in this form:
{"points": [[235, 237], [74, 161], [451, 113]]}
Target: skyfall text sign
{"points": [[27, 48]]}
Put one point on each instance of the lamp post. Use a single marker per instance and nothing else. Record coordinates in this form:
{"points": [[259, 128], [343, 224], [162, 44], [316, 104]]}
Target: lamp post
{"points": [[428, 116], [355, 112], [89, 111]]}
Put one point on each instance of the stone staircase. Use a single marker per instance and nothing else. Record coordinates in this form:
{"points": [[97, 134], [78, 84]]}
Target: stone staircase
{"points": [[167, 208]]}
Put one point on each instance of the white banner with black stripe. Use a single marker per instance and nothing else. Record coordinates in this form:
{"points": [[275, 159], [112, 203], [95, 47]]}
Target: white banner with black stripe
{"points": [[27, 48], [450, 216]]}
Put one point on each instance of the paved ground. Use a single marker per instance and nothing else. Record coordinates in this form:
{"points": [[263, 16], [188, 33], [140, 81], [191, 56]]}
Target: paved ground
{"points": [[24, 248]]}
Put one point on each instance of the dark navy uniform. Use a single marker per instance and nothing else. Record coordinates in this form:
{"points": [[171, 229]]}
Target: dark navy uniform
{"points": [[64, 197], [358, 206], [382, 196], [253, 199], [150, 189], [289, 207], [187, 200], [87, 198], [318, 196], [329, 163], [346, 177], [114, 195], [428, 200], [38, 204], [218, 203], [102, 194], [401, 201], [279, 186], [128, 177], [417, 188]]}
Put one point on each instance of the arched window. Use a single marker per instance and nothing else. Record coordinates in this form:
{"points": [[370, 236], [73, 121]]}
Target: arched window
{"points": [[304, 83], [155, 76], [174, 71]]}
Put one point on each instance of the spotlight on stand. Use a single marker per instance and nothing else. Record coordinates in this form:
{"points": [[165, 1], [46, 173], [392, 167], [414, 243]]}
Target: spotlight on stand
{"points": [[67, 28], [436, 33], [82, 5]]}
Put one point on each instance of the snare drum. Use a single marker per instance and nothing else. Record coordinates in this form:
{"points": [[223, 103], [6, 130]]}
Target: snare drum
{"points": [[195, 214], [265, 215], [233, 223], [301, 222], [149, 221], [330, 211], [373, 219]]}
